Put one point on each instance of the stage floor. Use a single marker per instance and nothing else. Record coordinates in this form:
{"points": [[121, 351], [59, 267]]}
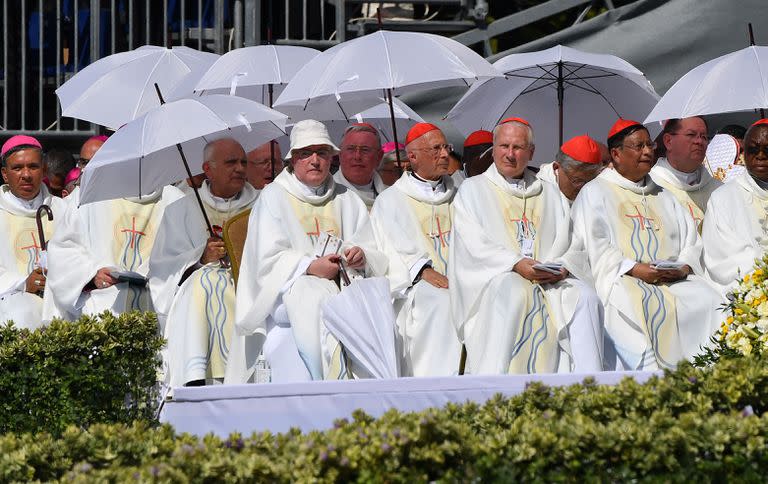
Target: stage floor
{"points": [[277, 407]]}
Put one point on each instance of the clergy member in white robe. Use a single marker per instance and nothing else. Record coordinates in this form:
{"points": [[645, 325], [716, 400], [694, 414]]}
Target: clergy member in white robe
{"points": [[22, 261], [95, 242], [629, 229], [577, 163], [682, 171], [412, 223], [513, 316], [359, 160], [192, 289], [282, 284], [736, 222]]}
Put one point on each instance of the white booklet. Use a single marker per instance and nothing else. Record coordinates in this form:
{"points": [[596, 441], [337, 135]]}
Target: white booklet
{"points": [[129, 276], [666, 265], [551, 267]]}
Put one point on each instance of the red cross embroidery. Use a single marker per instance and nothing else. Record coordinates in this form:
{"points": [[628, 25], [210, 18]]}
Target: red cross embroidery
{"points": [[696, 220], [33, 246], [134, 233], [440, 234], [645, 222], [316, 233], [526, 224]]}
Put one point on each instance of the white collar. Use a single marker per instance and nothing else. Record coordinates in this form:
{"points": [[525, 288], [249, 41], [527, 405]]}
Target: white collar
{"points": [[19, 206], [684, 178], [431, 192], [645, 186], [318, 195]]}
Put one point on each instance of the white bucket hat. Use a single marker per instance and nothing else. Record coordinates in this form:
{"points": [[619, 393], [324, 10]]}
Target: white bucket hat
{"points": [[307, 133]]}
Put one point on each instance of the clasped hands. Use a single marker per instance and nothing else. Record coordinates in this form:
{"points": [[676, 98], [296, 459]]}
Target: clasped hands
{"points": [[327, 266], [524, 267], [35, 282], [650, 275]]}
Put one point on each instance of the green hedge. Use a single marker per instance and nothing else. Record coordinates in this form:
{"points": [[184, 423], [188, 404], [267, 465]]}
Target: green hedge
{"points": [[100, 369], [693, 424]]}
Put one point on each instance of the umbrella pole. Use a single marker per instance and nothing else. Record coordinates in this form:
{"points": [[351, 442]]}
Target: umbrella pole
{"points": [[560, 95], [272, 142], [394, 130], [189, 173], [751, 43]]}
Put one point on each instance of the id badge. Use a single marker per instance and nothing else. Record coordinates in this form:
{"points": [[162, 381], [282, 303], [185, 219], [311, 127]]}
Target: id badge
{"points": [[526, 247]]}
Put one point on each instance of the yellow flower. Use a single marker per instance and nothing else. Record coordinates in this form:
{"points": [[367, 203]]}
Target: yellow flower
{"points": [[746, 278], [729, 320], [739, 311]]}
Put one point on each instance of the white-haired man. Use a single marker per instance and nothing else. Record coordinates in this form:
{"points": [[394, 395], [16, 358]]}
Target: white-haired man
{"points": [[412, 223], [359, 161], [514, 315], [282, 284], [192, 290]]}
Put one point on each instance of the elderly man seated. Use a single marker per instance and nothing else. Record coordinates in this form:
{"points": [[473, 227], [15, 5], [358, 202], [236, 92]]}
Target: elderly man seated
{"points": [[412, 223], [281, 280], [577, 163], [189, 282], [358, 161], [516, 310], [264, 164], [735, 231], [22, 268]]}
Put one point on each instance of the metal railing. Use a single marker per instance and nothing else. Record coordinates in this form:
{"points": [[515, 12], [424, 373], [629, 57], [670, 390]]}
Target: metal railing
{"points": [[45, 42]]}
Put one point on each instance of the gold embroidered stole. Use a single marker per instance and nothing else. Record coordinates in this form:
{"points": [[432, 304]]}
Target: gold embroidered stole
{"points": [[639, 235], [435, 223], [535, 348]]}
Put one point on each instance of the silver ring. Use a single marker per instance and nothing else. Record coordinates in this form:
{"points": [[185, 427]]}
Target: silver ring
{"points": [[37, 282], [103, 284]]}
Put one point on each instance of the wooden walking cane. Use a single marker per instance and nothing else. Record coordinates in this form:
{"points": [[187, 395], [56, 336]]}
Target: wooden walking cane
{"points": [[39, 219]]}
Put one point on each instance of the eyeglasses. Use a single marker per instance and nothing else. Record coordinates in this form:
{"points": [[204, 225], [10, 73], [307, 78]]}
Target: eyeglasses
{"points": [[83, 161], [640, 146], [691, 136], [754, 150], [303, 154], [576, 182], [435, 150], [364, 150]]}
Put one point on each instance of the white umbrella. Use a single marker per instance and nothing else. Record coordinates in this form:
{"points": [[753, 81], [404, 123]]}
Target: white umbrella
{"points": [[562, 92], [361, 317], [734, 82], [355, 75], [119, 88], [251, 72], [377, 116], [166, 144]]}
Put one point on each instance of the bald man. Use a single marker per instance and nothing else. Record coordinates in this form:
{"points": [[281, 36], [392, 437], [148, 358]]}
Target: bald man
{"points": [[89, 149], [412, 224], [191, 283], [260, 164]]}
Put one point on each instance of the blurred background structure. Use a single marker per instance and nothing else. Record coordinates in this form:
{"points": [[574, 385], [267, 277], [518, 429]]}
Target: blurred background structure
{"points": [[44, 42]]}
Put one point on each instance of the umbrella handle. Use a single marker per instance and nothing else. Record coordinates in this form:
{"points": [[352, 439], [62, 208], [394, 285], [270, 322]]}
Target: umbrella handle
{"points": [[39, 220], [343, 272]]}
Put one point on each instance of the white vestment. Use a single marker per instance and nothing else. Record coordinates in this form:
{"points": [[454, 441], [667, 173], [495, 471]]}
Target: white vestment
{"points": [[21, 253], [618, 223], [509, 324], [273, 290], [367, 193], [412, 223], [547, 173], [458, 177], [692, 190], [735, 230], [118, 234], [199, 312]]}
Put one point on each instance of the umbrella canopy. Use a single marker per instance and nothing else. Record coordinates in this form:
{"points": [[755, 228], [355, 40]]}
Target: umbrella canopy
{"points": [[377, 116], [361, 317], [251, 70], [142, 156], [119, 88], [562, 92], [734, 82], [354, 75]]}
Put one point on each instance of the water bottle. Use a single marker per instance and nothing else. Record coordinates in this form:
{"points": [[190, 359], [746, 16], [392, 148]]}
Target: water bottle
{"points": [[263, 371]]}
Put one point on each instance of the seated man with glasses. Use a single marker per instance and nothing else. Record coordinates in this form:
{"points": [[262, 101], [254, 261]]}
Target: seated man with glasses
{"points": [[412, 223], [735, 230], [516, 309], [643, 253], [359, 159], [577, 162], [191, 280], [682, 171], [282, 283]]}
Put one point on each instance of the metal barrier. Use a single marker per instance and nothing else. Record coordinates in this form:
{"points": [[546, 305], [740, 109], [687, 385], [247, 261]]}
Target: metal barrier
{"points": [[45, 42]]}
